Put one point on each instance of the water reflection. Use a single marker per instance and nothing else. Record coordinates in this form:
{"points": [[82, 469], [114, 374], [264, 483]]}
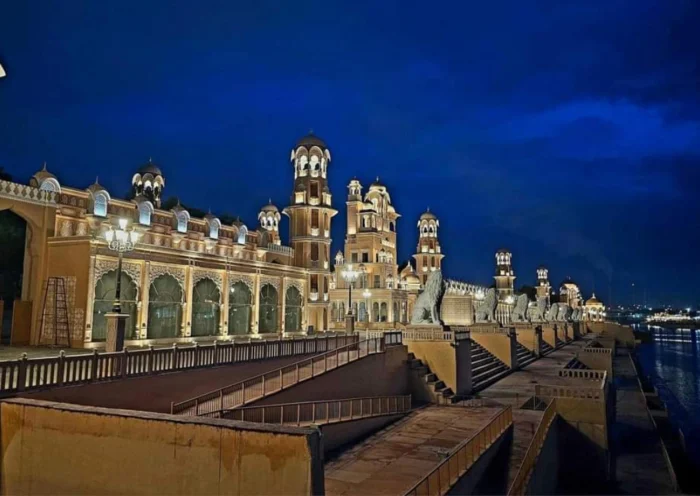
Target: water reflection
{"points": [[671, 359]]}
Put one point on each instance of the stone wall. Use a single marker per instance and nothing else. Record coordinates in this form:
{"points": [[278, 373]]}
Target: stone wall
{"points": [[53, 448], [457, 310]]}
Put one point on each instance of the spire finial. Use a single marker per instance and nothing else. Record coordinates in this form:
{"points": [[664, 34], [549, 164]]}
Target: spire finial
{"points": [[428, 208], [150, 160], [269, 201], [311, 130], [97, 179], [377, 178], [44, 167]]}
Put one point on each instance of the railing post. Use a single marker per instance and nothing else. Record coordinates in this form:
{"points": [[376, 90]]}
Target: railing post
{"points": [[281, 379], [265, 350], [233, 351], [173, 358], [263, 385], [298, 413], [93, 365], [221, 400], [279, 347], [297, 373], [22, 375], [216, 353], [196, 354], [61, 367], [125, 365]]}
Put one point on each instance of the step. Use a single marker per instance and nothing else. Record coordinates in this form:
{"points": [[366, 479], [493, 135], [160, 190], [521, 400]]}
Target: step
{"points": [[485, 368], [483, 361], [484, 374], [430, 377], [483, 383], [415, 363], [438, 385]]}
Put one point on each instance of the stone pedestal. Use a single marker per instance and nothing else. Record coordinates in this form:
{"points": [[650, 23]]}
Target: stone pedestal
{"points": [[350, 323], [116, 329]]}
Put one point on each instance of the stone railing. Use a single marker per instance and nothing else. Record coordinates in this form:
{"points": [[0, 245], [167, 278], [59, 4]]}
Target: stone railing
{"points": [[441, 479], [489, 329], [571, 392], [281, 249], [595, 375], [522, 477], [427, 335], [28, 374], [322, 412], [30, 194], [601, 351]]}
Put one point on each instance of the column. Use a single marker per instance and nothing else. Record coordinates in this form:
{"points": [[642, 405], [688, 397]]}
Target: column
{"points": [[283, 298], [188, 300], [91, 300], [144, 292], [225, 293], [256, 305]]}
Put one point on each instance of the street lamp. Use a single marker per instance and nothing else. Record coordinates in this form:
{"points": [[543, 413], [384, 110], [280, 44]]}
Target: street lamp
{"points": [[121, 240], [350, 275]]}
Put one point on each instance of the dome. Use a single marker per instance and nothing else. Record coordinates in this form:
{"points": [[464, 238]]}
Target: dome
{"points": [[269, 207], [311, 140], [593, 301], [428, 215], [150, 168], [96, 186], [502, 251], [568, 282], [376, 185], [43, 174], [541, 267]]}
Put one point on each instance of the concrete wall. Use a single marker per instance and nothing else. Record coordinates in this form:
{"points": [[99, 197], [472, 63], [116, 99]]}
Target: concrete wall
{"points": [[154, 393], [549, 335], [50, 448], [451, 362], [383, 374], [596, 361], [529, 337], [544, 477], [343, 433], [501, 346]]}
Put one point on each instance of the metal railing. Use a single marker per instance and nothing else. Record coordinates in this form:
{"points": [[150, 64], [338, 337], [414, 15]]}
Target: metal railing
{"points": [[320, 412], [27, 374], [243, 392], [522, 477], [596, 375], [441, 479]]}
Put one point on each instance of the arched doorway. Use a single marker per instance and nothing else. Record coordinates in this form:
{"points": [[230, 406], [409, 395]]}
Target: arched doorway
{"points": [[292, 310], [13, 233], [206, 299], [268, 320], [164, 308], [240, 302], [105, 292]]}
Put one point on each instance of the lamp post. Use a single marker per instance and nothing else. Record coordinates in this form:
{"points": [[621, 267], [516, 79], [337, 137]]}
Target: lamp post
{"points": [[121, 240], [350, 275]]}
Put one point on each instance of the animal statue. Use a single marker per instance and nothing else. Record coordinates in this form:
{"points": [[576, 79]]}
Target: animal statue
{"points": [[427, 307], [564, 312], [486, 311], [536, 310], [519, 313], [576, 315], [553, 312]]}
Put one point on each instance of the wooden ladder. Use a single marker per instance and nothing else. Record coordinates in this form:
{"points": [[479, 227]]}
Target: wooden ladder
{"points": [[56, 303]]}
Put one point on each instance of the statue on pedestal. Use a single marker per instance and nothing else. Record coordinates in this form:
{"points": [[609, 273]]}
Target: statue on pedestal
{"points": [[536, 311], [553, 312], [486, 311], [427, 307], [520, 310]]}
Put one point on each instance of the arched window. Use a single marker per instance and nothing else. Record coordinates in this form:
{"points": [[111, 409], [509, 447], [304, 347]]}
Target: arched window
{"points": [[268, 321], [105, 292], [214, 226], [205, 308], [100, 205], [182, 220], [242, 233], [239, 308], [292, 310], [164, 308], [362, 317], [145, 211], [383, 312], [51, 185], [375, 311]]}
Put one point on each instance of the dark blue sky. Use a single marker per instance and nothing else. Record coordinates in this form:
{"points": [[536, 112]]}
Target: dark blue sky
{"points": [[567, 133]]}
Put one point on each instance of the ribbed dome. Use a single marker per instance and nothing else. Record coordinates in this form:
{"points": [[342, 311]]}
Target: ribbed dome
{"points": [[311, 140], [428, 215], [593, 301], [150, 168], [270, 208]]}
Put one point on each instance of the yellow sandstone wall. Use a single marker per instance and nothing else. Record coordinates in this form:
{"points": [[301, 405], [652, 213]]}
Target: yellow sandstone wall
{"points": [[54, 448], [498, 345], [549, 335], [596, 361], [440, 358], [527, 336]]}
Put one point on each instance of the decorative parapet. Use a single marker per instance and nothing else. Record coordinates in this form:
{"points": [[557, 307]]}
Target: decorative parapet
{"points": [[29, 194], [595, 375], [281, 249], [463, 288]]}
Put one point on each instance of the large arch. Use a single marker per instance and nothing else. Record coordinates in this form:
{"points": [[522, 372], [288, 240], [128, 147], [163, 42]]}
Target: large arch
{"points": [[268, 320], [206, 308], [105, 293], [240, 306], [164, 307], [14, 234], [292, 310]]}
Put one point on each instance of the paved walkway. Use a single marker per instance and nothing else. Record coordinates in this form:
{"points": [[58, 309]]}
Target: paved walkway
{"points": [[639, 464], [397, 457], [516, 388]]}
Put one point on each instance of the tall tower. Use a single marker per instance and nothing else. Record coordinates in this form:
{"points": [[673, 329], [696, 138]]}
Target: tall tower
{"points": [[505, 279], [428, 254], [543, 286], [310, 222], [269, 218]]}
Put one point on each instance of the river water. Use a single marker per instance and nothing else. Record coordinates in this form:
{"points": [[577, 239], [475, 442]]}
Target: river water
{"points": [[672, 361]]}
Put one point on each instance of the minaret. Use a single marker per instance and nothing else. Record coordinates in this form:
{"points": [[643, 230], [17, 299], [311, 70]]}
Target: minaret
{"points": [[310, 223], [269, 218], [428, 255], [504, 274], [543, 286]]}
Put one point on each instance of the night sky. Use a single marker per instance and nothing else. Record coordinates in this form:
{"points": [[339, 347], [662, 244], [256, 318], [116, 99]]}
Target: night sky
{"points": [[569, 134]]}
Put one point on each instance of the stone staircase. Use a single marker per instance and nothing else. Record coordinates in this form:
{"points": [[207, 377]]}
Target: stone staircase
{"points": [[486, 368], [546, 348], [437, 388], [575, 364], [525, 356]]}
